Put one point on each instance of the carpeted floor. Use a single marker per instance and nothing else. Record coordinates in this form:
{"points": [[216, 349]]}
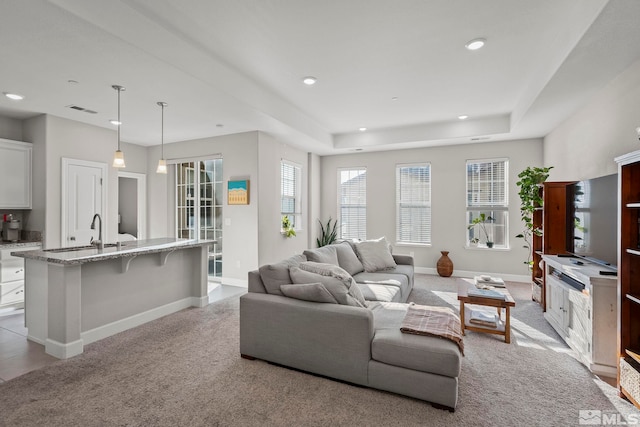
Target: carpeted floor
{"points": [[185, 370]]}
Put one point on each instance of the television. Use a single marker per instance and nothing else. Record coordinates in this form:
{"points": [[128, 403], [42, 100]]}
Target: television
{"points": [[595, 220]]}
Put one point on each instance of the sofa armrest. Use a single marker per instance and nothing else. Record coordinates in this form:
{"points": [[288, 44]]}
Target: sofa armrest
{"points": [[403, 259], [327, 339]]}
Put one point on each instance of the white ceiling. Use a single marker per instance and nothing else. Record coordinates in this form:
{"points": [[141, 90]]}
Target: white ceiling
{"points": [[228, 66]]}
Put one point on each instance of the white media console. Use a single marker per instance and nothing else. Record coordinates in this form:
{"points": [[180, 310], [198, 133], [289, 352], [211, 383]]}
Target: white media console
{"points": [[581, 303]]}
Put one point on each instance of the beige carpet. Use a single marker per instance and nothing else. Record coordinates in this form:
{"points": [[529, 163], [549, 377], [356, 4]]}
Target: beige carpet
{"points": [[185, 370]]}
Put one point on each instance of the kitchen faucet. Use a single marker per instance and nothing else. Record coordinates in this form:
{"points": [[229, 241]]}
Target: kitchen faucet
{"points": [[98, 243]]}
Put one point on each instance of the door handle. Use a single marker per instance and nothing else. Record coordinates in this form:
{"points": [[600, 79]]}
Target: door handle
{"points": [[72, 238]]}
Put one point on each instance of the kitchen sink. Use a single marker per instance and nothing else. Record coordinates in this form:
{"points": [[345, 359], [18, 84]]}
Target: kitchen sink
{"points": [[78, 248]]}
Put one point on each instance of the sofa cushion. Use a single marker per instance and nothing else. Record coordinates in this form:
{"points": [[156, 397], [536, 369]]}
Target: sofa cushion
{"points": [[387, 279], [379, 292], [419, 352], [422, 353], [325, 255], [274, 275], [337, 281], [375, 255], [347, 258], [315, 292]]}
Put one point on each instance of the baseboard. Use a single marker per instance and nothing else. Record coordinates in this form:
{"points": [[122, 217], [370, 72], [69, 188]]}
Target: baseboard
{"points": [[241, 283], [472, 274], [122, 325], [63, 351]]}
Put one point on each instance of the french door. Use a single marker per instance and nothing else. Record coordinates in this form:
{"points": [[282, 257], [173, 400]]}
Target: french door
{"points": [[199, 196]]}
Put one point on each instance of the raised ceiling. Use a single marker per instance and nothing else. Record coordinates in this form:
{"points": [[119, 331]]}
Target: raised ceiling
{"points": [[398, 68]]}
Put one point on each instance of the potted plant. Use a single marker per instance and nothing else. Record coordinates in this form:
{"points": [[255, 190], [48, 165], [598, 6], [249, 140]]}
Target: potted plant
{"points": [[481, 222], [287, 227], [530, 181], [328, 233]]}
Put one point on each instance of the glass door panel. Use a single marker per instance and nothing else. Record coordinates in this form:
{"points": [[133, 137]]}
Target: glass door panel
{"points": [[199, 196]]}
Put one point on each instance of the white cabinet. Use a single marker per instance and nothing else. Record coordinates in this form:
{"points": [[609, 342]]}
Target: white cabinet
{"points": [[584, 318], [12, 275], [15, 174]]}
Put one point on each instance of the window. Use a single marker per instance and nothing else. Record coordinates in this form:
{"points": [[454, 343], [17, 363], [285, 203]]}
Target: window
{"points": [[352, 203], [487, 203], [413, 203], [291, 193]]}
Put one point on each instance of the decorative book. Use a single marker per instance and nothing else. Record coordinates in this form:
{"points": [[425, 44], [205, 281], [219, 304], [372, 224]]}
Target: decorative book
{"points": [[487, 280], [485, 293]]}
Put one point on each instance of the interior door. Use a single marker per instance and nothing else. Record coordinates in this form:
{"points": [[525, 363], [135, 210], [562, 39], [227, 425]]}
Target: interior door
{"points": [[84, 190]]}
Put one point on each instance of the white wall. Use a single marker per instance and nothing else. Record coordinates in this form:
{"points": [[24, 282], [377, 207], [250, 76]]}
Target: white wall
{"points": [[272, 245], [240, 232], [128, 205], [585, 145], [11, 129], [448, 200], [55, 138]]}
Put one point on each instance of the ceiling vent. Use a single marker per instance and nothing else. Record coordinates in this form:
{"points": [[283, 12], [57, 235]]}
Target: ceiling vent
{"points": [[78, 108]]}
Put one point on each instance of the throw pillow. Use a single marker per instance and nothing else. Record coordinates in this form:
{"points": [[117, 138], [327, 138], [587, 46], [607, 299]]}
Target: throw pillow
{"points": [[315, 292], [274, 275], [375, 255], [347, 258], [337, 281], [325, 254]]}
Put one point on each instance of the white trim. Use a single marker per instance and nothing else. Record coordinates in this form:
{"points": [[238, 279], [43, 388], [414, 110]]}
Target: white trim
{"points": [[241, 283], [63, 351], [121, 325], [141, 181], [179, 160], [66, 162]]}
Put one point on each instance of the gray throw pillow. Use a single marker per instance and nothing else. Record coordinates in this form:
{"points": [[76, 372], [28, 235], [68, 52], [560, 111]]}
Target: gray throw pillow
{"points": [[274, 275], [347, 258], [337, 281], [325, 255], [375, 255], [315, 292]]}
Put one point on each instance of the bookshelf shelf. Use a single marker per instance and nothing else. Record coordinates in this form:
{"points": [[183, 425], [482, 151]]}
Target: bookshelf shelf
{"points": [[628, 280]]}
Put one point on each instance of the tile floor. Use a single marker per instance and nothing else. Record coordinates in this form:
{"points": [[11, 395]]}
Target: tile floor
{"points": [[19, 355]]}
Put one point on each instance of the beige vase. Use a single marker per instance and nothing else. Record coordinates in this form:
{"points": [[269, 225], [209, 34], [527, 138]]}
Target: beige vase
{"points": [[445, 265]]}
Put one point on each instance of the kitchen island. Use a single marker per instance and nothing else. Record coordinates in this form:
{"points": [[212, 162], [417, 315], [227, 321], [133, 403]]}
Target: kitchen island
{"points": [[76, 296]]}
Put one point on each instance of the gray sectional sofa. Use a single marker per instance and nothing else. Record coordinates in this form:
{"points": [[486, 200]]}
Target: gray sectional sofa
{"points": [[354, 334]]}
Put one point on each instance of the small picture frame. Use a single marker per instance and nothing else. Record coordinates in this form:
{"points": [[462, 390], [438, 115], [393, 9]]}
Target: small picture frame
{"points": [[238, 192]]}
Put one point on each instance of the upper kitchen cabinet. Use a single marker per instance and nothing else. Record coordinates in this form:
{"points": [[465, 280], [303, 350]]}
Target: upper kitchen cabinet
{"points": [[15, 174]]}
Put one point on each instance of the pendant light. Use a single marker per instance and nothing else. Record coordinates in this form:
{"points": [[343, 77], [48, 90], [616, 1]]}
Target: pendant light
{"points": [[118, 157], [162, 163]]}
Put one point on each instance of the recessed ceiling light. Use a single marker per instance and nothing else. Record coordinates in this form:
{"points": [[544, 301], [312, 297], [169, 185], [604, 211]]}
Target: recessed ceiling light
{"points": [[115, 122], [72, 82], [219, 125], [13, 96], [475, 44], [463, 117], [362, 129], [395, 98], [309, 80]]}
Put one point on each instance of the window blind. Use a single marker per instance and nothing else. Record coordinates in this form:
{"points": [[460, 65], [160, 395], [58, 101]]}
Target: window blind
{"points": [[290, 192], [486, 183], [413, 203], [352, 203]]}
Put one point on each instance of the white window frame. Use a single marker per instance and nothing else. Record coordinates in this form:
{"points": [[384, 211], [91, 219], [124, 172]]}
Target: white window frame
{"points": [[490, 209], [362, 227], [417, 200], [296, 215]]}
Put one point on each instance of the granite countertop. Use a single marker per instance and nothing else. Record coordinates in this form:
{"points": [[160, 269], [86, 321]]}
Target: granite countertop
{"points": [[83, 254], [19, 244]]}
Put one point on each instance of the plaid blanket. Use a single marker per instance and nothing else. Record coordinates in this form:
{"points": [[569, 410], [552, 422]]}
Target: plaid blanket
{"points": [[433, 321]]}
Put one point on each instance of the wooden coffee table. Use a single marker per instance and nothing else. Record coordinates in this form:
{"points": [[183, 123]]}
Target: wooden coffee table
{"points": [[464, 285]]}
